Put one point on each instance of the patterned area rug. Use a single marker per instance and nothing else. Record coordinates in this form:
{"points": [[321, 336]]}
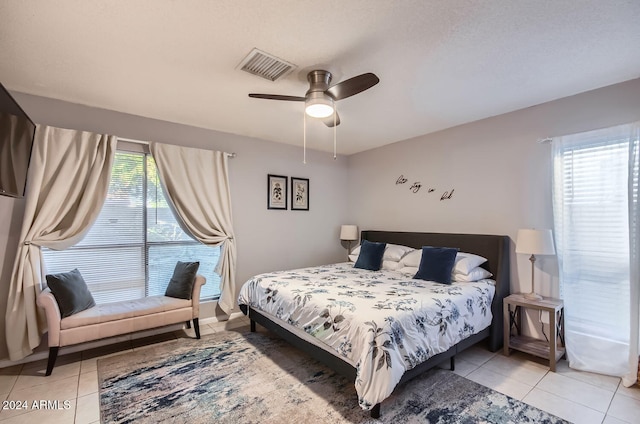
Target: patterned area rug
{"points": [[244, 377]]}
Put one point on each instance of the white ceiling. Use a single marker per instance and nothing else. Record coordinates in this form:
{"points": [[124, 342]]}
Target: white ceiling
{"points": [[441, 63]]}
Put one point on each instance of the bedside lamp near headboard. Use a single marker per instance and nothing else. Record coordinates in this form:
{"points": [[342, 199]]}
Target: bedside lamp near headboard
{"points": [[534, 242], [349, 233]]}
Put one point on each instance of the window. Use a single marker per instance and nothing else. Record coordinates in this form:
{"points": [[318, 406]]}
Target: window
{"points": [[595, 194], [132, 248], [595, 235]]}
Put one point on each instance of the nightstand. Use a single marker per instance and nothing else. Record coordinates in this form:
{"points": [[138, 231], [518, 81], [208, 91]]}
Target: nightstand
{"points": [[550, 350]]}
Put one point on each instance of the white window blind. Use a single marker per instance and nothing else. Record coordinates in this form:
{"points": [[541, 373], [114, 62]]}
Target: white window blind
{"points": [[132, 248], [594, 236]]}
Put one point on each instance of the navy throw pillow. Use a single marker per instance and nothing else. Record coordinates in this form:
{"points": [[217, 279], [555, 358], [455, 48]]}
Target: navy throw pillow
{"points": [[71, 292], [370, 255], [181, 283], [436, 264]]}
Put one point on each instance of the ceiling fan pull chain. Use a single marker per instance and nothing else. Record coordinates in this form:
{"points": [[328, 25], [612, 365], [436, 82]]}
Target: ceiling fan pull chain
{"points": [[304, 138], [335, 114]]}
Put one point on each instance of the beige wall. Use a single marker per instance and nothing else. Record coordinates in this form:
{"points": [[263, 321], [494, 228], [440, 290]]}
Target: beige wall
{"points": [[267, 239], [500, 174]]}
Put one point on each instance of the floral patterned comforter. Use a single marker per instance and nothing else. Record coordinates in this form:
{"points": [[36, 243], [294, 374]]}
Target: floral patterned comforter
{"points": [[383, 321]]}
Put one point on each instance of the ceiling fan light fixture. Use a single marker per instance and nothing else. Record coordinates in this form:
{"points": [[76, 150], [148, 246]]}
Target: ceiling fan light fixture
{"points": [[319, 100], [319, 106]]}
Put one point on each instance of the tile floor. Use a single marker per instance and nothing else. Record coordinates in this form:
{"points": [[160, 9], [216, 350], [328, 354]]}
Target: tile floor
{"points": [[579, 397]]}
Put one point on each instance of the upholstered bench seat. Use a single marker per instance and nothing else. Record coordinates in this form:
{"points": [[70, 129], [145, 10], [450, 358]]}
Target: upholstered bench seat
{"points": [[122, 310], [117, 318]]}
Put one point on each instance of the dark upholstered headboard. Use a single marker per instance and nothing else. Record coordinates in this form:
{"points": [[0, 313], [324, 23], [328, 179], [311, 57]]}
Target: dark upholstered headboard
{"points": [[493, 247]]}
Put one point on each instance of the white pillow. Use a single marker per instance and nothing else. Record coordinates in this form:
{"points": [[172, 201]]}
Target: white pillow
{"points": [[395, 252], [466, 262], [476, 274], [392, 252], [389, 265], [408, 270], [411, 259], [353, 256]]}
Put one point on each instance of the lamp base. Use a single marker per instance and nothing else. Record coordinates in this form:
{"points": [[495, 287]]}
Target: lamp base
{"points": [[532, 296], [348, 249]]}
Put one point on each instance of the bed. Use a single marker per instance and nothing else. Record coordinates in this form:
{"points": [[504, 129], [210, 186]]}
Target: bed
{"points": [[382, 328]]}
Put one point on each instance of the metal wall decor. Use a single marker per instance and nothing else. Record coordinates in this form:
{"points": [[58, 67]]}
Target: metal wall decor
{"points": [[417, 185]]}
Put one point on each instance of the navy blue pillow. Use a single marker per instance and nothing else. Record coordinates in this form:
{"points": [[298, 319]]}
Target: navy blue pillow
{"points": [[370, 255], [436, 264]]}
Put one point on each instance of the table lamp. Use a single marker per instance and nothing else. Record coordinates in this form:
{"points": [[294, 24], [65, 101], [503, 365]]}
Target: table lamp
{"points": [[534, 242], [349, 233]]}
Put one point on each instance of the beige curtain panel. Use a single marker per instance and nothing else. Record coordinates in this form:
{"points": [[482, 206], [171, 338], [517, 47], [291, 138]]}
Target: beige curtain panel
{"points": [[66, 188], [196, 182]]}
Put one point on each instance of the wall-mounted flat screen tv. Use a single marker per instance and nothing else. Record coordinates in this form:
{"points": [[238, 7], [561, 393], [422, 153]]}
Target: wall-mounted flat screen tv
{"points": [[16, 141]]}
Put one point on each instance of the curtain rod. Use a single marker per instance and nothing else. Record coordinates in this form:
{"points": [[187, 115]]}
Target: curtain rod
{"points": [[130, 140], [146, 143]]}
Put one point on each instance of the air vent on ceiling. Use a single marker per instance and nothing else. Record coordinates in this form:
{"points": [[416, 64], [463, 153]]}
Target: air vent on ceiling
{"points": [[265, 65]]}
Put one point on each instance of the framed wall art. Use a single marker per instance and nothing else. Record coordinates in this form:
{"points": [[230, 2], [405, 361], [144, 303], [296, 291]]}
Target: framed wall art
{"points": [[276, 192], [299, 194]]}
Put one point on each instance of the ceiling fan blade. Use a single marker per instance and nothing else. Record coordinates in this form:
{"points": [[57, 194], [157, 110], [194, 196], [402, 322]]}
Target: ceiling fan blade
{"points": [[328, 121], [277, 97], [352, 86]]}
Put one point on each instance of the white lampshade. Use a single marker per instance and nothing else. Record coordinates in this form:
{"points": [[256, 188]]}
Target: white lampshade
{"points": [[349, 232], [535, 242]]}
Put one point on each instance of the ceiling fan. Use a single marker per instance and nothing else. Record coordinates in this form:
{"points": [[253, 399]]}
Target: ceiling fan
{"points": [[320, 98]]}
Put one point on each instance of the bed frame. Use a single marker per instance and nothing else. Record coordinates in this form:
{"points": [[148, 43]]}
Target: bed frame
{"points": [[493, 247]]}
